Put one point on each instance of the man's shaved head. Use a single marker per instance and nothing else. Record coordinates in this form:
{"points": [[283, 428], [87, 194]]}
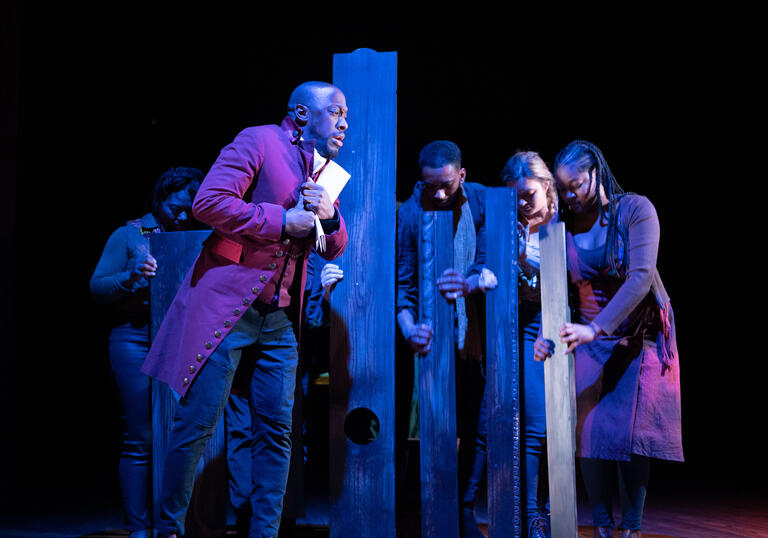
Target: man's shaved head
{"points": [[320, 111], [308, 93]]}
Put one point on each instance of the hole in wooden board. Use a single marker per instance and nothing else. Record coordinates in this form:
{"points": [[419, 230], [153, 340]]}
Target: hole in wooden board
{"points": [[361, 426]]}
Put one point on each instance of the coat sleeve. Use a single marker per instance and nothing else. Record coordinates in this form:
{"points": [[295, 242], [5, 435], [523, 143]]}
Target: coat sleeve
{"points": [[643, 243], [111, 270], [219, 201], [407, 260], [480, 237]]}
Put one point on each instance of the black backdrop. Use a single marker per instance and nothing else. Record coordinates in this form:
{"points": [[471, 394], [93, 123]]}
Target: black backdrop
{"points": [[97, 105]]}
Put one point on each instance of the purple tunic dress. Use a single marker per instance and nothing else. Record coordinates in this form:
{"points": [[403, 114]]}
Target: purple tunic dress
{"points": [[628, 380]]}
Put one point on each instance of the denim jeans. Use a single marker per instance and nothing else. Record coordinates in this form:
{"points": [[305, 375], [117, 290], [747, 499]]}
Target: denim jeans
{"points": [[238, 417], [128, 346], [471, 427], [313, 360], [271, 401], [534, 466]]}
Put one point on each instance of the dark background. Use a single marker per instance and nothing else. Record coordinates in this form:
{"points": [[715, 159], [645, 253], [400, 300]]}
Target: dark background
{"points": [[96, 105]]}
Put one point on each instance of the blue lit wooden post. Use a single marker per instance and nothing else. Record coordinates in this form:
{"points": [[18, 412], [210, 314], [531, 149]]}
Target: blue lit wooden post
{"points": [[437, 383], [503, 366], [175, 253], [362, 381], [559, 384]]}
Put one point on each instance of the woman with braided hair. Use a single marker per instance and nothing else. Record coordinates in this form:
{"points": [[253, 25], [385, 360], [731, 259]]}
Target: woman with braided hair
{"points": [[626, 362]]}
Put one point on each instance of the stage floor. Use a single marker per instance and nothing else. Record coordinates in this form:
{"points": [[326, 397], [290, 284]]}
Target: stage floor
{"points": [[692, 514]]}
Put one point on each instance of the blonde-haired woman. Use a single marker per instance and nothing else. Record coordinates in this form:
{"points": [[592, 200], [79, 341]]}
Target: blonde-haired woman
{"points": [[527, 172]]}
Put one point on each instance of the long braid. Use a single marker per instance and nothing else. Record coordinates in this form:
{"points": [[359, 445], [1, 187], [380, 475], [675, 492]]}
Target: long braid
{"points": [[593, 158]]}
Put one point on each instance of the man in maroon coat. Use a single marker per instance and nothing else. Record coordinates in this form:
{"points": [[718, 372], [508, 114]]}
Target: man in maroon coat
{"points": [[261, 199]]}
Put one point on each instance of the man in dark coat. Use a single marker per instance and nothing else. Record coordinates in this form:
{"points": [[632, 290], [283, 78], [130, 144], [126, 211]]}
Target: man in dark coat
{"points": [[443, 187]]}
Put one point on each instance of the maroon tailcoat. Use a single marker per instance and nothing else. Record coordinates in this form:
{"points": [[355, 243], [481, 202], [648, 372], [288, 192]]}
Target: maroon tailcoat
{"points": [[247, 258]]}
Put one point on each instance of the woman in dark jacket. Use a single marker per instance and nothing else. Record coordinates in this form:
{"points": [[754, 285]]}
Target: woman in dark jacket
{"points": [[121, 279]]}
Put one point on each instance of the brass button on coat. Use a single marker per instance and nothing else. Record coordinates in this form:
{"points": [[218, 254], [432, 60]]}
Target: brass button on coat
{"points": [[246, 301], [208, 345], [237, 311], [255, 290], [217, 333], [192, 368], [263, 278], [279, 253], [186, 381], [200, 357], [227, 324], [272, 265]]}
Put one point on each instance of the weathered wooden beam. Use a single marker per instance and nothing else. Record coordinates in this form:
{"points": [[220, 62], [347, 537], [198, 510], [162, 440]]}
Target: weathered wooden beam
{"points": [[175, 253], [559, 383], [437, 383], [362, 380], [503, 366]]}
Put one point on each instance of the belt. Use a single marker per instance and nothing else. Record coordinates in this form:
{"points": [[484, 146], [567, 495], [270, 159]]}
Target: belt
{"points": [[225, 247]]}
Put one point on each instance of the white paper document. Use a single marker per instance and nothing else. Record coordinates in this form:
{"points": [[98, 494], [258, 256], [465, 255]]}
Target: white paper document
{"points": [[333, 178]]}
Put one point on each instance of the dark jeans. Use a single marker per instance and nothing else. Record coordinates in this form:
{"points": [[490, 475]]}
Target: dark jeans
{"points": [[313, 412], [128, 346], [600, 478], [271, 401], [471, 427], [534, 414], [238, 417]]}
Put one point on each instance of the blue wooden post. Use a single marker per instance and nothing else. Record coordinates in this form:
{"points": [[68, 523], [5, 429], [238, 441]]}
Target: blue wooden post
{"points": [[503, 366], [362, 381], [437, 383], [559, 383], [175, 253]]}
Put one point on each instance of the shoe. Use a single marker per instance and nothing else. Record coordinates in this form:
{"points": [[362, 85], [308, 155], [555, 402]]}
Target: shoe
{"points": [[603, 532], [468, 527], [626, 533], [538, 527]]}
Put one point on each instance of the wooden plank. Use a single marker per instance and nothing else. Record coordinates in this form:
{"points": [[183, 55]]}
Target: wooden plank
{"points": [[178, 251], [437, 383], [559, 383], [362, 380], [175, 253], [503, 366]]}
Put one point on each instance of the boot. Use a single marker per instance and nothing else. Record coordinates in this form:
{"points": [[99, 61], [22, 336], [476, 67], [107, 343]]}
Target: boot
{"points": [[538, 527], [603, 532], [626, 533]]}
